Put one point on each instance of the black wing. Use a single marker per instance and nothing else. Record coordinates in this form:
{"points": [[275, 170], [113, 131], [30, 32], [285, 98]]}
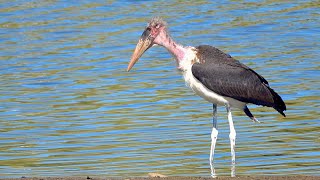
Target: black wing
{"points": [[226, 76]]}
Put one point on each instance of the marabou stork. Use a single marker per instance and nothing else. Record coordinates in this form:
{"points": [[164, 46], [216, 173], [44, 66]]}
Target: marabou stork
{"points": [[215, 76]]}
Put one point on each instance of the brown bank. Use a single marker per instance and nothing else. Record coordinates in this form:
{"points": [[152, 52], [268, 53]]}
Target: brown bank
{"points": [[174, 178]]}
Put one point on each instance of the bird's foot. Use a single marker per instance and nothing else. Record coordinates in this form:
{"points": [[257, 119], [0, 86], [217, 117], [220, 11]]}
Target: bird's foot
{"points": [[213, 172], [233, 170], [232, 137], [214, 136]]}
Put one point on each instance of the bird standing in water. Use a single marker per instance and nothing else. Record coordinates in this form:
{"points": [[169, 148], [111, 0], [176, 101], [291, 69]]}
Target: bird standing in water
{"points": [[215, 76]]}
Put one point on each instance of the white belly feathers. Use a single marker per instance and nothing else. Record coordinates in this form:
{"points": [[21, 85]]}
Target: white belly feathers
{"points": [[201, 90]]}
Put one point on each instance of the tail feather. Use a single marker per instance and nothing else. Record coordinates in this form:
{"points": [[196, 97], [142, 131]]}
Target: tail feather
{"points": [[279, 104]]}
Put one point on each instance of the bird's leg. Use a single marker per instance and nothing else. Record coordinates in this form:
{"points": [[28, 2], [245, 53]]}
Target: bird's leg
{"points": [[248, 113], [214, 135], [232, 137]]}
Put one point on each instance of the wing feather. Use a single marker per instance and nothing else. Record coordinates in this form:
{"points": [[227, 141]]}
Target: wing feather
{"points": [[226, 76]]}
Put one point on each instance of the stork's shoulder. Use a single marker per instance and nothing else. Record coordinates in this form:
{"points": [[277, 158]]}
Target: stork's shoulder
{"points": [[210, 54]]}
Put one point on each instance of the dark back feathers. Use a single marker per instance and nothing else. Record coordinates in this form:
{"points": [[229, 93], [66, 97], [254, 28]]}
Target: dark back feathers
{"points": [[226, 76]]}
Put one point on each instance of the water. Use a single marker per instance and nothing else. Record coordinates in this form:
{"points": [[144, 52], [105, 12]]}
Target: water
{"points": [[68, 107]]}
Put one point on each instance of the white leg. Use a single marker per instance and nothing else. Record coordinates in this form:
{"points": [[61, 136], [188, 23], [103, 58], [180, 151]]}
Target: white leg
{"points": [[232, 137], [214, 135]]}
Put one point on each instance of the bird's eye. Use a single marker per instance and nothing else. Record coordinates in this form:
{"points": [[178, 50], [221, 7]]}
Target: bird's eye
{"points": [[157, 26], [146, 32]]}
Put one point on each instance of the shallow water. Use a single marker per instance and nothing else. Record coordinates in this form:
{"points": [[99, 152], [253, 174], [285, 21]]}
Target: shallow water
{"points": [[68, 107]]}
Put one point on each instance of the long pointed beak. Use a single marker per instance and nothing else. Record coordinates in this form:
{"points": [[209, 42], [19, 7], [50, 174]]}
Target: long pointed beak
{"points": [[145, 42]]}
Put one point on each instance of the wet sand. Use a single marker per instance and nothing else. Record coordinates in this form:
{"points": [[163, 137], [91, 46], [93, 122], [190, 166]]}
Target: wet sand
{"points": [[173, 178]]}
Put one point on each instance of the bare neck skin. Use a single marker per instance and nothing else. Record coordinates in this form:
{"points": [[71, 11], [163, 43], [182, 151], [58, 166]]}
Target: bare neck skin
{"points": [[165, 40]]}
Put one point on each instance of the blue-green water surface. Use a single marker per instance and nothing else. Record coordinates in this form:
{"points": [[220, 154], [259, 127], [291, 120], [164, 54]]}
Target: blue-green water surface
{"points": [[69, 108]]}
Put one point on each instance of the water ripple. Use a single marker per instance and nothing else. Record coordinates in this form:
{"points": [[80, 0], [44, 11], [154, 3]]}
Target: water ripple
{"points": [[68, 107]]}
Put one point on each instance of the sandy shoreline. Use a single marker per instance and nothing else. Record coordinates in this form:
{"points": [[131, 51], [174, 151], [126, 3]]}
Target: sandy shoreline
{"points": [[171, 178]]}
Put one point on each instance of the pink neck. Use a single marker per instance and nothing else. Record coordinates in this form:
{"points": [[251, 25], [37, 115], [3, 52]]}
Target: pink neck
{"points": [[177, 50]]}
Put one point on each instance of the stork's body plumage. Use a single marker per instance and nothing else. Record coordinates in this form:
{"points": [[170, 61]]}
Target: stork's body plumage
{"points": [[197, 84], [221, 80], [213, 75]]}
